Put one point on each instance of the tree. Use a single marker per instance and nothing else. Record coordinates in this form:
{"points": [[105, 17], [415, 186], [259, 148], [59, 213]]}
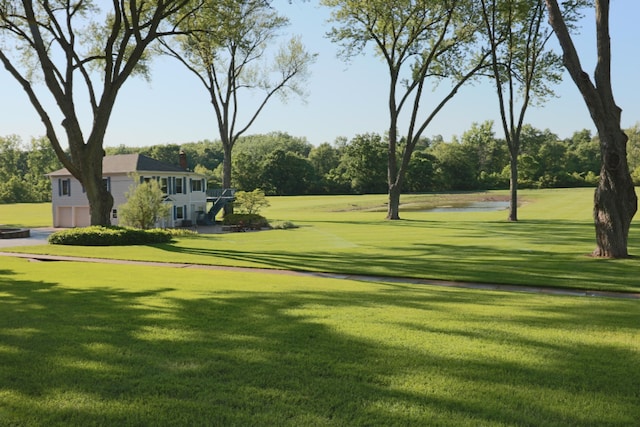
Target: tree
{"points": [[285, 173], [419, 41], [166, 153], [324, 158], [364, 160], [454, 167], [251, 202], [41, 159], [145, 205], [615, 199], [523, 69], [485, 152], [421, 176], [12, 185], [249, 172], [83, 54], [224, 45]]}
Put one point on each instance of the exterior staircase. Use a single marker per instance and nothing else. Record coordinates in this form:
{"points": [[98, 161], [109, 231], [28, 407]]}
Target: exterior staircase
{"points": [[219, 198]]}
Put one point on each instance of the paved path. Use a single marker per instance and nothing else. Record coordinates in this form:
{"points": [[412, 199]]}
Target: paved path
{"points": [[359, 277]]}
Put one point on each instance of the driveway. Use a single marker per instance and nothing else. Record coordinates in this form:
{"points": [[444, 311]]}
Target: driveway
{"points": [[39, 236]]}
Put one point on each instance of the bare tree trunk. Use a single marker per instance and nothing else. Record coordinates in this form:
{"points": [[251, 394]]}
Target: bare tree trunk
{"points": [[615, 201], [393, 209], [513, 189]]}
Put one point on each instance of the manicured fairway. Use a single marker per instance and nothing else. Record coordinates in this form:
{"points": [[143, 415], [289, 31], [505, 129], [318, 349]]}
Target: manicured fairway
{"points": [[93, 344]]}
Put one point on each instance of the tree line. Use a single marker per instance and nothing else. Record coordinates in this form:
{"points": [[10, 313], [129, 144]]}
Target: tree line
{"points": [[419, 43], [281, 164]]}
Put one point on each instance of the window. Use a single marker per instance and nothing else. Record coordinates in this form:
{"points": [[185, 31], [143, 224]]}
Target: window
{"points": [[64, 187], [196, 185], [114, 213], [164, 185], [179, 212], [106, 182], [179, 186]]}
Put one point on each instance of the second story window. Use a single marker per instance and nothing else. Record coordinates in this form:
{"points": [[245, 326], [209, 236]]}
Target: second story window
{"points": [[179, 185], [65, 187], [164, 185], [196, 185]]}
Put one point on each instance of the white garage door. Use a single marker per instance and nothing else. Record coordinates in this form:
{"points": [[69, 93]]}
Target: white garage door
{"points": [[82, 216], [64, 217]]}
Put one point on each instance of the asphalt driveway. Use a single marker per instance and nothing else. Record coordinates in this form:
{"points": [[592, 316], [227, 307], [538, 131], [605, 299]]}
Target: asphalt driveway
{"points": [[39, 236]]}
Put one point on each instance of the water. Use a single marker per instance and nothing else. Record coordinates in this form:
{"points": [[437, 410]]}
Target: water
{"points": [[485, 206]]}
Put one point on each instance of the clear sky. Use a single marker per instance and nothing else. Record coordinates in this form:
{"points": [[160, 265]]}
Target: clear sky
{"points": [[343, 99]]}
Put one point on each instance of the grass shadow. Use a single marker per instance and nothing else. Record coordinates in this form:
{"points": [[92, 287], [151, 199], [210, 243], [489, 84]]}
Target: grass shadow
{"points": [[104, 356], [533, 260]]}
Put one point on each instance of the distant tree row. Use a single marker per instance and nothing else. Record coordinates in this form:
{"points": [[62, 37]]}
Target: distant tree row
{"points": [[23, 170], [281, 164]]}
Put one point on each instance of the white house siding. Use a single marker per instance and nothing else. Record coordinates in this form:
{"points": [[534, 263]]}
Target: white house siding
{"points": [[72, 209], [190, 202]]}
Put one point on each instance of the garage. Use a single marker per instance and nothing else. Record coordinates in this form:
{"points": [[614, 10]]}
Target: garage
{"points": [[72, 216]]}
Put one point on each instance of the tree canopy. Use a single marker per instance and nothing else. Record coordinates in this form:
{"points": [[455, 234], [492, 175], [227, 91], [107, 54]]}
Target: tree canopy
{"points": [[418, 41], [67, 54], [228, 46]]}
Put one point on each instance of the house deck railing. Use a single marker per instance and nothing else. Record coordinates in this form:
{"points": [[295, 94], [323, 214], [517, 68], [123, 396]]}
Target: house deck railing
{"points": [[221, 192]]}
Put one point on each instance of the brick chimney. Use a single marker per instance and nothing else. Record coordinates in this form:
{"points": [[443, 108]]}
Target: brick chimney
{"points": [[183, 160]]}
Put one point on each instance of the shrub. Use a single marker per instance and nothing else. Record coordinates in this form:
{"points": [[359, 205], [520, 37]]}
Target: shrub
{"points": [[254, 221], [109, 236], [145, 205], [250, 202]]}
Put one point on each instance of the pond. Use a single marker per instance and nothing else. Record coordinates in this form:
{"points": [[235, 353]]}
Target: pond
{"points": [[483, 206]]}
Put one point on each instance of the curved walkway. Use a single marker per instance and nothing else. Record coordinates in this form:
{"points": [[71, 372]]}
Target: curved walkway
{"points": [[358, 277]]}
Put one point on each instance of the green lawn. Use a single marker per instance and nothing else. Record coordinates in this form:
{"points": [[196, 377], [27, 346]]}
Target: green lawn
{"points": [[26, 215], [93, 344], [549, 246]]}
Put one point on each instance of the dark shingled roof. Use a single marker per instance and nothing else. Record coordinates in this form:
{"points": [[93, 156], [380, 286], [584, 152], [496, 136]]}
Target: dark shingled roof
{"points": [[127, 163]]}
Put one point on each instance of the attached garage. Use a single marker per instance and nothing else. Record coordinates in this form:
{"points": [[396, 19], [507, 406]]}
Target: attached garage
{"points": [[81, 216], [72, 216]]}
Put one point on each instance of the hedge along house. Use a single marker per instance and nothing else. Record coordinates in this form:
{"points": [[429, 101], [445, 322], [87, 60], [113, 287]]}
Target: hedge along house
{"points": [[185, 191]]}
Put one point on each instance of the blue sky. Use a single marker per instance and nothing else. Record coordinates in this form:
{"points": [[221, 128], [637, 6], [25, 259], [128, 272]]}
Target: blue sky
{"points": [[343, 99]]}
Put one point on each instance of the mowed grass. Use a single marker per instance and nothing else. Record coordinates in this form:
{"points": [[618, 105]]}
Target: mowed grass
{"points": [[549, 246], [26, 215], [94, 344]]}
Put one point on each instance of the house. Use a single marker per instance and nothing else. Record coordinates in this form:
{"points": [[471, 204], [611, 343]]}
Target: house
{"points": [[186, 191]]}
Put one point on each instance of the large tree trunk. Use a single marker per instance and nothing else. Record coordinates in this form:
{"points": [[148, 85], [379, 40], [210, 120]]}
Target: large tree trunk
{"points": [[101, 205], [615, 201], [513, 189], [100, 200]]}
